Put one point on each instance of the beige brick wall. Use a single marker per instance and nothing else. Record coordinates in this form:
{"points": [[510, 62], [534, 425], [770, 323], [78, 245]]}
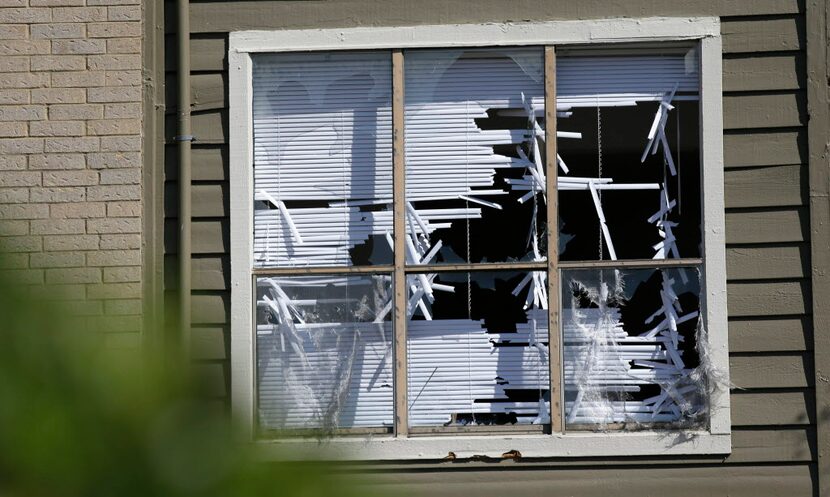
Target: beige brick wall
{"points": [[70, 155]]}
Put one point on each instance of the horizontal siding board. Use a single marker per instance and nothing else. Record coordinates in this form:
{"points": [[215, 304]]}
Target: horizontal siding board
{"points": [[207, 200], [767, 226], [207, 273], [591, 481], [211, 308], [765, 148], [210, 342], [763, 73], [759, 263], [207, 52], [209, 162], [779, 110], [209, 236], [775, 186], [222, 17], [772, 408], [770, 334], [773, 298], [771, 371], [208, 127], [763, 35]]}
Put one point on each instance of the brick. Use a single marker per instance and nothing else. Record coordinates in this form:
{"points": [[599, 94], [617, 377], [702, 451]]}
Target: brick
{"points": [[72, 144], [24, 16], [24, 80], [59, 292], [123, 78], [122, 111], [124, 13], [70, 178], [22, 112], [112, 242], [75, 275], [55, 3], [12, 129], [122, 275], [59, 63], [23, 276], [8, 261], [57, 161], [14, 3], [114, 258], [118, 62], [19, 178], [114, 192], [14, 64], [79, 47], [114, 127], [79, 14], [24, 47], [57, 226], [73, 112], [57, 259], [120, 144], [79, 210], [114, 291], [124, 307], [124, 209], [58, 30], [120, 176], [117, 324], [13, 228], [24, 211], [113, 160], [12, 162], [77, 79], [114, 29], [85, 307], [119, 225], [57, 194], [21, 145], [21, 244], [114, 94], [14, 97], [14, 195], [123, 45], [57, 128], [113, 2], [14, 32], [71, 242]]}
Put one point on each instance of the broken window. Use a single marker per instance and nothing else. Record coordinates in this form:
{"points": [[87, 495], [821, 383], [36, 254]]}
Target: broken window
{"points": [[482, 297]]}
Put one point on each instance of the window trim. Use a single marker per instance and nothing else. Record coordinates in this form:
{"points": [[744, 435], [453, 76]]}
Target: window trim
{"points": [[705, 30]]}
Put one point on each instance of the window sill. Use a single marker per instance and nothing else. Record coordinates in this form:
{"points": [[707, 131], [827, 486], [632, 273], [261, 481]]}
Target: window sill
{"points": [[530, 446]]}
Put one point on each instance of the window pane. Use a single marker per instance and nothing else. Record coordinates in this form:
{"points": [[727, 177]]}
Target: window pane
{"points": [[322, 158], [628, 139], [324, 346], [477, 349], [474, 142], [630, 348]]}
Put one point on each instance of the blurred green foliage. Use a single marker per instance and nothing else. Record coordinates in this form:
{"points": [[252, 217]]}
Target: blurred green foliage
{"points": [[78, 418]]}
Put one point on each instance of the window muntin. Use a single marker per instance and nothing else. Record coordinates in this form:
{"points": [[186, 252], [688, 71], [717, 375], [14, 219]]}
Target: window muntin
{"points": [[468, 246]]}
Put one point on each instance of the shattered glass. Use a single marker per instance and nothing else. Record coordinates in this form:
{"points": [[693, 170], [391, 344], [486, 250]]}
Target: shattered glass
{"points": [[477, 349], [474, 155], [324, 352], [631, 348]]}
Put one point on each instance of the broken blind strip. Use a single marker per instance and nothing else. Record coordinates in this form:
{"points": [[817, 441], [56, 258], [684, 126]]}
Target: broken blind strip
{"points": [[322, 136]]}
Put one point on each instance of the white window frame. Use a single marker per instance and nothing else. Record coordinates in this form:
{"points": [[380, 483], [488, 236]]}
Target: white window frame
{"points": [[705, 30]]}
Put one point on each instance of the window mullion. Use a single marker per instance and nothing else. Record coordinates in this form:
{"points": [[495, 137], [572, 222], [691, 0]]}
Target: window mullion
{"points": [[557, 386], [399, 230]]}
